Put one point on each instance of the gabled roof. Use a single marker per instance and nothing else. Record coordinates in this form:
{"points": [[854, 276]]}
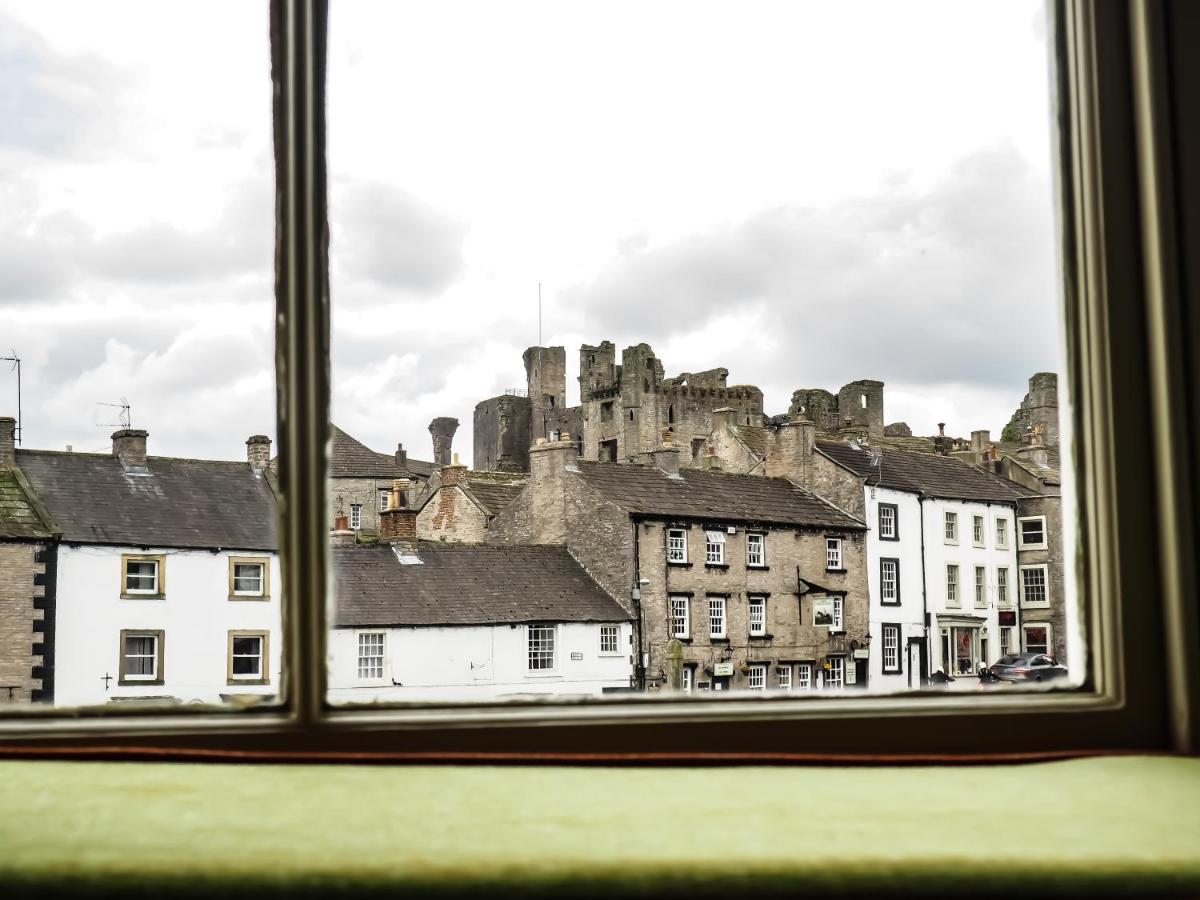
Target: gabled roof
{"points": [[465, 584], [350, 458], [19, 517], [923, 473], [186, 503], [495, 490], [718, 496], [755, 437]]}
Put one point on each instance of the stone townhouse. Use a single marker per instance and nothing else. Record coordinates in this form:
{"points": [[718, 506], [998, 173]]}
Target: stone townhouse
{"points": [[360, 480], [27, 540], [164, 574], [733, 581], [416, 620], [458, 504]]}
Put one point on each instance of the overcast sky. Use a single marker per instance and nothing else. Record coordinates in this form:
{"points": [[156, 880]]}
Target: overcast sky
{"points": [[803, 193]]}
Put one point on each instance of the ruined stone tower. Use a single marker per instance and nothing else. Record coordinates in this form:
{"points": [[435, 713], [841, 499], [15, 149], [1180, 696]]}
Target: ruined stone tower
{"points": [[442, 429], [546, 378]]}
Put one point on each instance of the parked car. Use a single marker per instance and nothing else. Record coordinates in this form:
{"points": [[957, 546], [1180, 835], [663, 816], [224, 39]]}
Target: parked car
{"points": [[1027, 667]]}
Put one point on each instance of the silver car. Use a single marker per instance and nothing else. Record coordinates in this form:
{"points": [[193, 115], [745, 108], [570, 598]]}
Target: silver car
{"points": [[1027, 667]]}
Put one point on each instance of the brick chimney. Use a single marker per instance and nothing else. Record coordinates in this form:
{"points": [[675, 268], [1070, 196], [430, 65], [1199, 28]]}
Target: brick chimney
{"points": [[129, 446], [399, 521], [548, 479], [442, 428], [666, 457], [8, 442], [258, 452], [455, 473], [790, 453]]}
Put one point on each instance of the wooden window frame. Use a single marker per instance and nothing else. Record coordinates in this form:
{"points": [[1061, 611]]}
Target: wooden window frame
{"points": [[898, 668], [895, 561], [264, 672], [895, 508], [265, 562], [1040, 545], [160, 638], [160, 591], [1121, 80]]}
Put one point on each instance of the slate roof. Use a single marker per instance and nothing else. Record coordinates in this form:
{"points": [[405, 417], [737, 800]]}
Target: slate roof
{"points": [[465, 584], [924, 473], [19, 518], [350, 458], [494, 491], [755, 437], [717, 496], [178, 502]]}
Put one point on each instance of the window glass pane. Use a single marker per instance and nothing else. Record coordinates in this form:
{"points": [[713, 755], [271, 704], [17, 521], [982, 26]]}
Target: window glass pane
{"points": [[627, 335], [137, 291]]}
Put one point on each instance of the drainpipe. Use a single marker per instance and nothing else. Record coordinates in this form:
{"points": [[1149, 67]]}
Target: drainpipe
{"points": [[639, 666], [924, 680]]}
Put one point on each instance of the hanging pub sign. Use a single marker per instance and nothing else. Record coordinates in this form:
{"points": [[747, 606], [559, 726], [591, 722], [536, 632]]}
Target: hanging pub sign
{"points": [[822, 610], [723, 669]]}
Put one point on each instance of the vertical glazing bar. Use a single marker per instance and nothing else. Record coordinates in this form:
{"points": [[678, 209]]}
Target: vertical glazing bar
{"points": [[298, 29]]}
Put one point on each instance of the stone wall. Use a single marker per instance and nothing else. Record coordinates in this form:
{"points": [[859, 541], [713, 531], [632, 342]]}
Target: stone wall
{"points": [[1038, 409], [20, 577], [503, 427], [451, 516], [1049, 506], [344, 492]]}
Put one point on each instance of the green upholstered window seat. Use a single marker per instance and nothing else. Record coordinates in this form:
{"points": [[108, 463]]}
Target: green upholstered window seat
{"points": [[1126, 825]]}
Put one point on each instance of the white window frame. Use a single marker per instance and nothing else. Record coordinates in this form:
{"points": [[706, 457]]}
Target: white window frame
{"points": [[385, 499], [978, 531], [360, 657], [834, 560], [261, 655], [1003, 597], [757, 673], [953, 598], [546, 635], [950, 527], [783, 676], [756, 550], [154, 590], [804, 676], [718, 610], [1006, 642], [1025, 626], [355, 516], [677, 546], [981, 587], [153, 675], [262, 577], [681, 626], [890, 648], [1023, 544], [688, 682], [1044, 568], [1001, 533], [893, 511], [892, 599], [714, 548], [757, 624], [835, 676], [613, 631]]}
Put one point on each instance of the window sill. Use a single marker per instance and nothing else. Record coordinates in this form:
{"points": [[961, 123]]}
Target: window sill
{"points": [[157, 682], [679, 565], [761, 637], [718, 640], [836, 571], [716, 565], [252, 597], [682, 640], [143, 596], [246, 682]]}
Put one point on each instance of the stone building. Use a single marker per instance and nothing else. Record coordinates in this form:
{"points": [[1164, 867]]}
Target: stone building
{"points": [[27, 584], [360, 479], [1038, 410], [623, 409], [458, 504], [733, 581]]}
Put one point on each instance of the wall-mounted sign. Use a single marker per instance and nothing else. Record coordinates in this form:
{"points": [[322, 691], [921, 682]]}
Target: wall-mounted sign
{"points": [[723, 669], [862, 654], [576, 655], [851, 674], [822, 610]]}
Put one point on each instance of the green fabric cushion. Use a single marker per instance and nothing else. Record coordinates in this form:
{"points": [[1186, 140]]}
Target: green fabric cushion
{"points": [[1118, 825]]}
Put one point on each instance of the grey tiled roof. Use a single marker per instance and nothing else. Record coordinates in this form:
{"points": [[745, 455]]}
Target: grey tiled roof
{"points": [[718, 496], [755, 437], [924, 473], [465, 584], [495, 490], [176, 503], [350, 458], [19, 517]]}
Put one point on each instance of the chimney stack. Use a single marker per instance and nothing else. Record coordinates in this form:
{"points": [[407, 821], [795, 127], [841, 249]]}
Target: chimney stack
{"points": [[258, 452], [666, 457], [455, 473], [549, 462], [790, 454], [722, 418], [398, 523], [129, 446], [401, 457], [980, 440], [8, 442], [941, 429], [442, 428]]}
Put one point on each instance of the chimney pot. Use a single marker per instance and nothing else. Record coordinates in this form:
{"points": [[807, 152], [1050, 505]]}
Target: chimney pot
{"points": [[129, 446], [941, 429], [8, 442]]}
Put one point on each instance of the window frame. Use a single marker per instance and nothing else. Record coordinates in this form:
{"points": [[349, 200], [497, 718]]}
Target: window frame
{"points": [[264, 656], [759, 538], [894, 508], [682, 534], [384, 676], [895, 562], [953, 597], [356, 516], [1022, 544], [714, 537], [159, 591], [1116, 83], [1001, 533], [759, 600], [1044, 568], [1025, 626], [616, 630], [673, 621], [897, 668], [723, 602], [835, 553], [552, 669], [950, 527], [263, 562], [978, 531], [124, 679], [762, 671]]}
